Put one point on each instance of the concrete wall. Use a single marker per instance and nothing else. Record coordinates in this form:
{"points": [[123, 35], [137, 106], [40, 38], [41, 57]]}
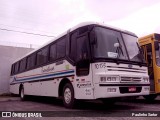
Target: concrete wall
{"points": [[7, 56]]}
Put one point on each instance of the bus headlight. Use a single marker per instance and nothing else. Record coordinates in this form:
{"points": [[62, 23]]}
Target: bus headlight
{"points": [[110, 79], [146, 79]]}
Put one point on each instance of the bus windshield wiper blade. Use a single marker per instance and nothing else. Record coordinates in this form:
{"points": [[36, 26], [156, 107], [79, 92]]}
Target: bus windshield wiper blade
{"points": [[118, 50]]}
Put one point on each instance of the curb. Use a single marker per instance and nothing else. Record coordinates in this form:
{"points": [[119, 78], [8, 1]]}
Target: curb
{"points": [[4, 99]]}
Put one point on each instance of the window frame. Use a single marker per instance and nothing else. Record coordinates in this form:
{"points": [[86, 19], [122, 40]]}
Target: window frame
{"points": [[12, 69], [65, 37], [47, 59], [70, 46], [52, 60], [59, 40], [16, 71], [55, 43], [34, 62], [20, 64]]}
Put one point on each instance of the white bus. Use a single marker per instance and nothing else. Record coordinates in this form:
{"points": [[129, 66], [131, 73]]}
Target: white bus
{"points": [[90, 61]]}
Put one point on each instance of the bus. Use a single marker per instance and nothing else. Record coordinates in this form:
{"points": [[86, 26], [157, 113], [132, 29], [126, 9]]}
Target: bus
{"points": [[150, 45], [89, 61]]}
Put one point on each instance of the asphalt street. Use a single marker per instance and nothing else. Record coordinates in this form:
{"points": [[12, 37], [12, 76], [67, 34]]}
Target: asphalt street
{"points": [[123, 110]]}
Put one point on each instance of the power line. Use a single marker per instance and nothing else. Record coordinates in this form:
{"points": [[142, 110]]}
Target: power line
{"points": [[25, 32], [21, 28]]}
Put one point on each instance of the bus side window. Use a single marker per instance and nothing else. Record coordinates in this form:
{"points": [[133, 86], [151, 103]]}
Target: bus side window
{"points": [[52, 55], [22, 64], [82, 59], [149, 54], [42, 56], [73, 47], [12, 69], [144, 51], [61, 47], [82, 49], [16, 68], [31, 61]]}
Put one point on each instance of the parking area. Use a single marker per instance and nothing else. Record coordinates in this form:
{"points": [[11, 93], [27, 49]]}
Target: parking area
{"points": [[84, 110]]}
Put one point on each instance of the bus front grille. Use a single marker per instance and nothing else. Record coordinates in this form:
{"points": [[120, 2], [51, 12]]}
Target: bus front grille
{"points": [[131, 79]]}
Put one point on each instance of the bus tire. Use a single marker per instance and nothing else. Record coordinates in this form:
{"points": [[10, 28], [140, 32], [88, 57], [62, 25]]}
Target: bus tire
{"points": [[68, 96], [150, 98], [21, 93]]}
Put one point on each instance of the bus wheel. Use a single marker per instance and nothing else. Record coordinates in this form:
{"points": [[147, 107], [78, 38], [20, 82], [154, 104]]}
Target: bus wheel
{"points": [[68, 96], [22, 96], [150, 97]]}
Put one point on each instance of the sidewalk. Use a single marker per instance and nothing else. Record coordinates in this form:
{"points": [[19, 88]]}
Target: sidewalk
{"points": [[8, 98]]}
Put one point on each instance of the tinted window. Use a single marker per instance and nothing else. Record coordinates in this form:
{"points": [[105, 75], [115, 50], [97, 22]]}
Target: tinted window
{"points": [[12, 70], [82, 48], [22, 65], [31, 61], [158, 56], [61, 47], [52, 52], [149, 54], [83, 30], [16, 68], [42, 56], [132, 48], [73, 46], [109, 44]]}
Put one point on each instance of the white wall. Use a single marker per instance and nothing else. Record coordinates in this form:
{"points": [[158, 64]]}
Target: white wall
{"points": [[8, 55]]}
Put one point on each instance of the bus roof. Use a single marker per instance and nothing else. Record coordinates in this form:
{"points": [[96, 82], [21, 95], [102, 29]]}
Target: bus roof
{"points": [[72, 29], [149, 38], [155, 35]]}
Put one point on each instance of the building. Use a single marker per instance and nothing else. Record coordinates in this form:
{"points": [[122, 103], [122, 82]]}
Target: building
{"points": [[8, 54]]}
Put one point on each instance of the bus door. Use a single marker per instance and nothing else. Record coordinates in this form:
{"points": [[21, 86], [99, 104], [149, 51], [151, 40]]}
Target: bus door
{"points": [[149, 59], [81, 51]]}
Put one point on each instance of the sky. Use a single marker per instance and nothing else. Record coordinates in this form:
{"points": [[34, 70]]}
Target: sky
{"points": [[53, 17]]}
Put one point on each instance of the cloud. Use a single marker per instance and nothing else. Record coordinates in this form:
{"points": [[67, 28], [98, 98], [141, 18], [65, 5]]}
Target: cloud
{"points": [[142, 22], [53, 17]]}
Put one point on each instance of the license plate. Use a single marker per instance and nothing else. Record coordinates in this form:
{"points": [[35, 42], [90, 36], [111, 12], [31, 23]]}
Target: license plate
{"points": [[132, 89]]}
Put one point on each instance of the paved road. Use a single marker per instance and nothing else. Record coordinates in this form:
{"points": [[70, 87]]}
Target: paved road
{"points": [[84, 110]]}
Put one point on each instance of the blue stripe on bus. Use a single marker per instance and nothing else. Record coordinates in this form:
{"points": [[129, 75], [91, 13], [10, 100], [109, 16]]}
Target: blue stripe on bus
{"points": [[40, 77]]}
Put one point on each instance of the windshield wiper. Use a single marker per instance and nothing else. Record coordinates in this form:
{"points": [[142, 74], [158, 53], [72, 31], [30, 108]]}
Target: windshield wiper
{"points": [[118, 50]]}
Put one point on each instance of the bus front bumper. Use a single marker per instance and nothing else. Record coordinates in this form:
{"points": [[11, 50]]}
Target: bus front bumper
{"points": [[120, 90]]}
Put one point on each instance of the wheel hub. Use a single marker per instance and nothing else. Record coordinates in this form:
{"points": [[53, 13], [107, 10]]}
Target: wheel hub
{"points": [[67, 95]]}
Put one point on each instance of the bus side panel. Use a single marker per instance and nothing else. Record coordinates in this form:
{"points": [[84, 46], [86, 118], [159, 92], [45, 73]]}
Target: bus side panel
{"points": [[49, 88], [32, 88], [44, 81], [14, 88], [83, 86], [42, 88]]}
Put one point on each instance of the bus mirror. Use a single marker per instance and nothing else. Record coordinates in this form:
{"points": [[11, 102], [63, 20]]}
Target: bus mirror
{"points": [[116, 45], [156, 45]]}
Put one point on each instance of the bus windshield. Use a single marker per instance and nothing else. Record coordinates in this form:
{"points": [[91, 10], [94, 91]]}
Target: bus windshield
{"points": [[106, 41], [132, 48], [110, 44]]}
